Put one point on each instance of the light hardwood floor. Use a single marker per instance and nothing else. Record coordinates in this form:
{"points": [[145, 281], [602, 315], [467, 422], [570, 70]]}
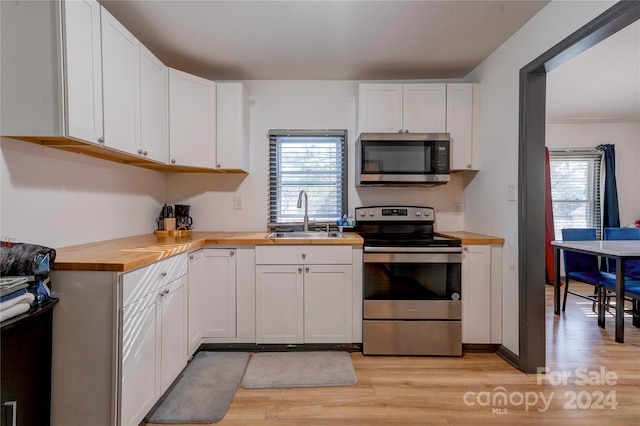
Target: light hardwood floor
{"points": [[432, 390]]}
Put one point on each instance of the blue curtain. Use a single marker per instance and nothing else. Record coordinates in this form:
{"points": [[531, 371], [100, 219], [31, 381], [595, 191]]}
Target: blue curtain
{"points": [[610, 212]]}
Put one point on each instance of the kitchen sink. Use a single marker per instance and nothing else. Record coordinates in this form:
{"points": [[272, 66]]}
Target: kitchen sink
{"points": [[306, 234]]}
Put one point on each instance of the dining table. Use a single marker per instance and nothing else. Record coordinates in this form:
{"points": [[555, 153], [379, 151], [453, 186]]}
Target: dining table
{"points": [[619, 251]]}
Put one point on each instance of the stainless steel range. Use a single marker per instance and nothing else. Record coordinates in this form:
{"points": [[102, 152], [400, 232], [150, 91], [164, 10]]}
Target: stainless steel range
{"points": [[411, 283]]}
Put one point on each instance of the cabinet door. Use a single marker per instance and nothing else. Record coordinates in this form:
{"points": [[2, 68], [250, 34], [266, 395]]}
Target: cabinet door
{"points": [[424, 108], [476, 294], [121, 85], [194, 320], [154, 107], [218, 298], [174, 331], [327, 304], [460, 124], [83, 67], [232, 127], [380, 108], [279, 304], [140, 355], [192, 116]]}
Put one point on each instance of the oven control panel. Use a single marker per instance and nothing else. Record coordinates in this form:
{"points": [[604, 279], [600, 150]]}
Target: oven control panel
{"points": [[395, 213]]}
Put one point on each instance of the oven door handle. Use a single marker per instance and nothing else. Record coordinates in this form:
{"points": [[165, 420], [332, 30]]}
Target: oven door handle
{"points": [[433, 257], [413, 249]]}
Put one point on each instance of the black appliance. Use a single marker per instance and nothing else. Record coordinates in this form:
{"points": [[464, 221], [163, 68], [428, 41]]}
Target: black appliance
{"points": [[411, 283]]}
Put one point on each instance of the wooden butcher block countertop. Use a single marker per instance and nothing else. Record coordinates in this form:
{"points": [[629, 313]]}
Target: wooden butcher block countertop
{"points": [[125, 254], [471, 238]]}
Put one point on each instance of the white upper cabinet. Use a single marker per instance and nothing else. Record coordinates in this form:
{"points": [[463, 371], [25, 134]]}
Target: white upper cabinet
{"points": [[51, 70], [402, 108], [460, 120], [121, 85], [380, 108], [84, 70], [424, 108], [154, 107], [192, 120], [232, 126]]}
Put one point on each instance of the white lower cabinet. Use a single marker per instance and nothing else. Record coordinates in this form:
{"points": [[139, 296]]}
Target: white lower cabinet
{"points": [[194, 320], [218, 293], [308, 302], [327, 304], [481, 294], [153, 337], [279, 304]]}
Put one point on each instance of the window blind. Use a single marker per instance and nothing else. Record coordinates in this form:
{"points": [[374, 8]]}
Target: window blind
{"points": [[313, 161], [575, 190]]}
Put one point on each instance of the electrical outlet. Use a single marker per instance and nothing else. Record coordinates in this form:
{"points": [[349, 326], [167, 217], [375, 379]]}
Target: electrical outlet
{"points": [[237, 202], [457, 207], [511, 192]]}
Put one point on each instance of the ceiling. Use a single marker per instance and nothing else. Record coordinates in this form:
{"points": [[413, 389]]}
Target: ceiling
{"points": [[323, 40], [601, 84], [376, 40]]}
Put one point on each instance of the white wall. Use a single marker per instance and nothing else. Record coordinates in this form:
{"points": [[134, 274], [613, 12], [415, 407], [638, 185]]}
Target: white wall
{"points": [[626, 138], [56, 198], [486, 194], [296, 105]]}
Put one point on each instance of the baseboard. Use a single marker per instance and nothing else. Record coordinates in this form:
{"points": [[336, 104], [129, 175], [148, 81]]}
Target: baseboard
{"points": [[508, 356], [479, 347], [253, 347]]}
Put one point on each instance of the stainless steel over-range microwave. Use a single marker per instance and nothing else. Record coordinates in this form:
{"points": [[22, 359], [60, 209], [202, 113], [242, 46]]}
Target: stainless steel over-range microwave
{"points": [[402, 159]]}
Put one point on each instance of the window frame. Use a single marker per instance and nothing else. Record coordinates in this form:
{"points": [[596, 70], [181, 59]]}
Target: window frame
{"points": [[596, 175], [274, 173]]}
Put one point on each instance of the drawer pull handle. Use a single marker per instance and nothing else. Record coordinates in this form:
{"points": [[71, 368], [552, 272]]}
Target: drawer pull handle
{"points": [[14, 411]]}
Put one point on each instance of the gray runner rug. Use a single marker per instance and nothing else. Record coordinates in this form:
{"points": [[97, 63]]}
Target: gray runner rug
{"points": [[204, 390], [299, 370]]}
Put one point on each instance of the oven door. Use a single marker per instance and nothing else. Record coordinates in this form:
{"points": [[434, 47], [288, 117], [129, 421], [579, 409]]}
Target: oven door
{"points": [[415, 273]]}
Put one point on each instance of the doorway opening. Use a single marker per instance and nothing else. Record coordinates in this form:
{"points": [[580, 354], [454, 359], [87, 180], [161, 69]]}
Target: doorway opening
{"points": [[531, 301]]}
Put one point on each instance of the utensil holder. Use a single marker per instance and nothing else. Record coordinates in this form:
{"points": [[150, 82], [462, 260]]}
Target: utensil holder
{"points": [[170, 224]]}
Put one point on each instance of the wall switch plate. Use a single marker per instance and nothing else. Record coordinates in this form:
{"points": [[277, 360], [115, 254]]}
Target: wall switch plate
{"points": [[457, 207], [237, 202], [511, 192]]}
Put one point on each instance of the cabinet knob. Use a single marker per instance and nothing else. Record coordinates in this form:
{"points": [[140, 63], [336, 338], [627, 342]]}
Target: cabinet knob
{"points": [[166, 291], [161, 294], [304, 256], [306, 269], [299, 270], [173, 161], [465, 248], [231, 253], [139, 152], [164, 274], [191, 257], [144, 153], [399, 130], [406, 130], [468, 166], [218, 165], [101, 140]]}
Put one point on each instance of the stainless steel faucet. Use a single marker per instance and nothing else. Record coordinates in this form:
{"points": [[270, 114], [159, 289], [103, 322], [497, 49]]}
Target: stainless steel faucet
{"points": [[306, 209]]}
